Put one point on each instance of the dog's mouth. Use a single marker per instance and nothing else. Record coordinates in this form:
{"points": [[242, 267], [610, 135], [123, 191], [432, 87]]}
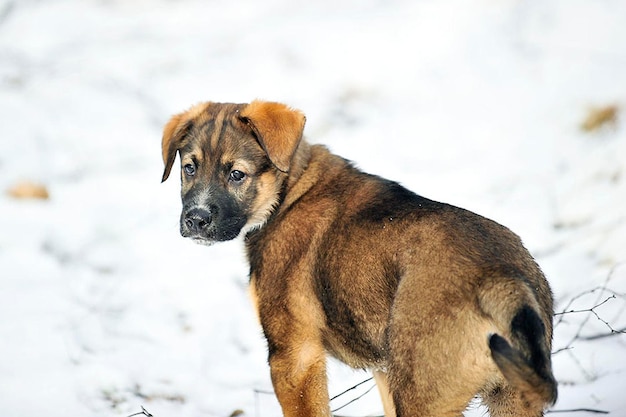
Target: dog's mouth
{"points": [[205, 229], [202, 241]]}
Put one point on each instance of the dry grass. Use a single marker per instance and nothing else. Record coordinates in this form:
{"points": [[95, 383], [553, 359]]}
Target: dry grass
{"points": [[28, 190], [599, 117]]}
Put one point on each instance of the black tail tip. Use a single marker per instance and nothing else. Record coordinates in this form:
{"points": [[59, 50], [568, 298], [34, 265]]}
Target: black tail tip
{"points": [[498, 344], [516, 369]]}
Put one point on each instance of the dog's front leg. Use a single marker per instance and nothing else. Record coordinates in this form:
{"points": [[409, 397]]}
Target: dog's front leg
{"points": [[299, 379]]}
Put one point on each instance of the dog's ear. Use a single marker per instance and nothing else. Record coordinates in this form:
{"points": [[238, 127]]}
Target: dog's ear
{"points": [[170, 143], [173, 134], [278, 129]]}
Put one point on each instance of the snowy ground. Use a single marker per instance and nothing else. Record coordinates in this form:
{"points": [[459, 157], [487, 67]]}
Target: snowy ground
{"points": [[478, 103]]}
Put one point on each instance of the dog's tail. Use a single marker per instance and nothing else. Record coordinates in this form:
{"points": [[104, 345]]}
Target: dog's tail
{"points": [[526, 363], [524, 359]]}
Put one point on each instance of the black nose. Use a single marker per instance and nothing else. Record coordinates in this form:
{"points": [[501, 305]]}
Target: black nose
{"points": [[197, 220]]}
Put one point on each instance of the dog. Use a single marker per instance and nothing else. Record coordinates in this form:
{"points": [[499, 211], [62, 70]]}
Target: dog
{"points": [[441, 304]]}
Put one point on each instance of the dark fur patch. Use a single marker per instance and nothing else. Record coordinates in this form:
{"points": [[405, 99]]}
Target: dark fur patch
{"points": [[530, 330], [393, 201]]}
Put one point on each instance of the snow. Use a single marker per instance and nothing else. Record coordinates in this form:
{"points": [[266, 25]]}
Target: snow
{"points": [[477, 103]]}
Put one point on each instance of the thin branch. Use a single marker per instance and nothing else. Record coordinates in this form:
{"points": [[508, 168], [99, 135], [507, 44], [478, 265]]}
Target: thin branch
{"points": [[143, 412], [579, 410], [587, 309], [602, 288], [257, 400], [591, 311], [262, 391], [603, 335], [351, 388], [567, 310], [354, 399]]}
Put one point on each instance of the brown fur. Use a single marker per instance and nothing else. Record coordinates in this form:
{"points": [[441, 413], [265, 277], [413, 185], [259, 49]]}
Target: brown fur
{"points": [[440, 303]]}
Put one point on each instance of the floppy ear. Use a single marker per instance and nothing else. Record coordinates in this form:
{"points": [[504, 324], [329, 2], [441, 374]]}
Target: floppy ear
{"points": [[173, 134], [278, 129]]}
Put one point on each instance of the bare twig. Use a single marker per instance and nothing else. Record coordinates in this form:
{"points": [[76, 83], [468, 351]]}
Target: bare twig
{"points": [[579, 410], [586, 309], [257, 400], [354, 399], [591, 312], [602, 289], [351, 388], [143, 412], [603, 335]]}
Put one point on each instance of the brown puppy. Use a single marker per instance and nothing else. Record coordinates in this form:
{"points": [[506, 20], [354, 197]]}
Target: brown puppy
{"points": [[440, 303]]}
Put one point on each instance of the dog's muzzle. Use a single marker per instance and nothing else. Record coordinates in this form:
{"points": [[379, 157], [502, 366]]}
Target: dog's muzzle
{"points": [[197, 221], [197, 224], [206, 225]]}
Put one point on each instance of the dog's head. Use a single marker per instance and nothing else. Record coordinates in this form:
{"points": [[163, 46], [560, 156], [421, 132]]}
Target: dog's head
{"points": [[234, 160]]}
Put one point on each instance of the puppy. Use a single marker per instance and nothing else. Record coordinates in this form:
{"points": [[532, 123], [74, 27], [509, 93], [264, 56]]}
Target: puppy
{"points": [[440, 303]]}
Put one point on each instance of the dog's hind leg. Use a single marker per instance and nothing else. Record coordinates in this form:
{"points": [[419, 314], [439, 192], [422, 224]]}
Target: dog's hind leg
{"points": [[385, 395], [438, 353], [426, 384]]}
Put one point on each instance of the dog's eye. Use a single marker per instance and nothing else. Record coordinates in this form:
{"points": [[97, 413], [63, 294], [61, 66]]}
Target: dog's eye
{"points": [[237, 175], [190, 170]]}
